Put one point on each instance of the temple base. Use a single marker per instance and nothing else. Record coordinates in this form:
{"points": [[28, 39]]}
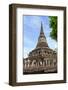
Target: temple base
{"points": [[39, 72]]}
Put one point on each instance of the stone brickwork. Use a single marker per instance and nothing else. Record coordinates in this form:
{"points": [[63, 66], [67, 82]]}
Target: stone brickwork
{"points": [[42, 59]]}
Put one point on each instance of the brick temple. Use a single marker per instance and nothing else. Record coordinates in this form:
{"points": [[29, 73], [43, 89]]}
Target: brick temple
{"points": [[42, 59]]}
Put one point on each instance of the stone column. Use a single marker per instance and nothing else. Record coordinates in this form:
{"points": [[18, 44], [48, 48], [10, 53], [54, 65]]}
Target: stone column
{"points": [[36, 64], [49, 62], [46, 62], [43, 63]]}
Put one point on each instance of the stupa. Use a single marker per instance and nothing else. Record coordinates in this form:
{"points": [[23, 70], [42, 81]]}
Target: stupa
{"points": [[42, 59]]}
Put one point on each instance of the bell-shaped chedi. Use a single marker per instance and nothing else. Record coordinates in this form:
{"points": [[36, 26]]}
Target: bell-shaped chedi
{"points": [[42, 59]]}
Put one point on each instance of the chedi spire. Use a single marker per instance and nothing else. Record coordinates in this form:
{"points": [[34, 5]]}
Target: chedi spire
{"points": [[42, 42]]}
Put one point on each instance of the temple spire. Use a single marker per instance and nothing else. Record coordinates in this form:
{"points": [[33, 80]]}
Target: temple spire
{"points": [[41, 28], [42, 42], [41, 31]]}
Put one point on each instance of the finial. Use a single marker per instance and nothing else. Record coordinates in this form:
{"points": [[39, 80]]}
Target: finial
{"points": [[41, 28]]}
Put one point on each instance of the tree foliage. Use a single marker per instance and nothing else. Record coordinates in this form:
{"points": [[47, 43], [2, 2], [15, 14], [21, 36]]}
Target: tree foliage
{"points": [[53, 26]]}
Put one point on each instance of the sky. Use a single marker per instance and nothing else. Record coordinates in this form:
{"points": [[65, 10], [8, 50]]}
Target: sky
{"points": [[32, 26]]}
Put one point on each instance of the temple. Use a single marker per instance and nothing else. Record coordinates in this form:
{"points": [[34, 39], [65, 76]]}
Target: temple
{"points": [[42, 59]]}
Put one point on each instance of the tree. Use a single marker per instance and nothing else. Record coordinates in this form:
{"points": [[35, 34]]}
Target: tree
{"points": [[53, 26]]}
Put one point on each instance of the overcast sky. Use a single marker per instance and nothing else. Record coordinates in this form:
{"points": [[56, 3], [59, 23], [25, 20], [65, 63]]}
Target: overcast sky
{"points": [[32, 25]]}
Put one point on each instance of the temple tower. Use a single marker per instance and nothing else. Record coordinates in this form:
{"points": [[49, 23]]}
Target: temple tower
{"points": [[42, 42], [42, 59]]}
